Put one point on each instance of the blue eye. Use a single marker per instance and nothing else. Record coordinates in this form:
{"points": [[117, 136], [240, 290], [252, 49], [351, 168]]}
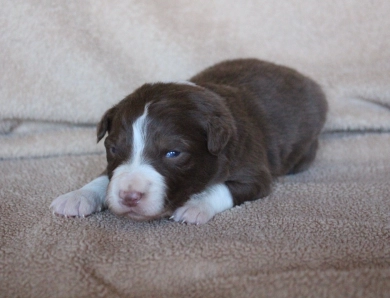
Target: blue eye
{"points": [[172, 154], [112, 149]]}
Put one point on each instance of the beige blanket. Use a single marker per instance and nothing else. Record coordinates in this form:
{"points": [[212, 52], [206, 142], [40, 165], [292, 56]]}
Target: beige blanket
{"points": [[322, 233]]}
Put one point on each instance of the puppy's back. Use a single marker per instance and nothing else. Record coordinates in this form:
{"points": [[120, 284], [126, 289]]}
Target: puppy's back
{"points": [[293, 105]]}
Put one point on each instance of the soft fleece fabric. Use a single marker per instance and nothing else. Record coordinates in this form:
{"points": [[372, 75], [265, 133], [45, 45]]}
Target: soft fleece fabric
{"points": [[321, 233]]}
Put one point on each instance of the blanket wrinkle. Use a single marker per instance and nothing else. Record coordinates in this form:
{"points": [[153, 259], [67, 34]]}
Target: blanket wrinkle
{"points": [[70, 62], [34, 139], [376, 101]]}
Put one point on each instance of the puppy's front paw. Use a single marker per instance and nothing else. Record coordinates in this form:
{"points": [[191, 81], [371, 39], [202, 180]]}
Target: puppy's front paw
{"points": [[80, 202], [194, 212]]}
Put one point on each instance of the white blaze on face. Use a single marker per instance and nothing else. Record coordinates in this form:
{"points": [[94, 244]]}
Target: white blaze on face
{"points": [[179, 83], [137, 176]]}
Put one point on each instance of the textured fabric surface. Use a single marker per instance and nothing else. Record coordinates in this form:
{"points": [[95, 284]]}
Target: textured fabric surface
{"points": [[321, 233], [70, 61]]}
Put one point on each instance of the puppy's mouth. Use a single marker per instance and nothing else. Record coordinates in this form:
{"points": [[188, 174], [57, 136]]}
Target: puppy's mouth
{"points": [[134, 215], [137, 192], [139, 212]]}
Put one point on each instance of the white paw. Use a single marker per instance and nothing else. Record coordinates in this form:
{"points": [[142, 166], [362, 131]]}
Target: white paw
{"points": [[194, 212], [80, 202]]}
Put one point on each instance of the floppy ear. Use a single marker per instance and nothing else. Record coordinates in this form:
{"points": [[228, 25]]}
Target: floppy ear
{"points": [[105, 124], [220, 129], [217, 119]]}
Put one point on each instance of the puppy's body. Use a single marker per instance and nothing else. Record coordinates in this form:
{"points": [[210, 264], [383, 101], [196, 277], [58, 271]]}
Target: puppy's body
{"points": [[198, 148]]}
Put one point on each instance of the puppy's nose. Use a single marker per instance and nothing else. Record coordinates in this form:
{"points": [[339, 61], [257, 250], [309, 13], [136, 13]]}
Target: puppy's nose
{"points": [[130, 198]]}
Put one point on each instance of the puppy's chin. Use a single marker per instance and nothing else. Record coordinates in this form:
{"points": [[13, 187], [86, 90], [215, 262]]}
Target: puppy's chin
{"points": [[138, 216]]}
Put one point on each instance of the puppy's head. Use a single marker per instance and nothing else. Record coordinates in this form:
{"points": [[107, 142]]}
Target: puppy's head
{"points": [[165, 142]]}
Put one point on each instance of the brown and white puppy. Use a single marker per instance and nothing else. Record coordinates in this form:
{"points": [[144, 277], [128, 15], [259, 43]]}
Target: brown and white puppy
{"points": [[193, 149]]}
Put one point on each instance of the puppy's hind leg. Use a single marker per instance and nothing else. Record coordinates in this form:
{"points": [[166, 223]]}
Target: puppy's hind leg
{"points": [[84, 201], [306, 160]]}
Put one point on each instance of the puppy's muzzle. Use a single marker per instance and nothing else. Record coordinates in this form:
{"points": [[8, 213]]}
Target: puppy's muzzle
{"points": [[130, 198]]}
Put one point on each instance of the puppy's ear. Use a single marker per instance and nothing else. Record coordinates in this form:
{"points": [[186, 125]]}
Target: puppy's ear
{"points": [[220, 130], [216, 119], [105, 124]]}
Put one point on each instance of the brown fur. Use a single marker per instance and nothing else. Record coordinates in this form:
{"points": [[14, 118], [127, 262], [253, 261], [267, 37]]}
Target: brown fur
{"points": [[245, 122]]}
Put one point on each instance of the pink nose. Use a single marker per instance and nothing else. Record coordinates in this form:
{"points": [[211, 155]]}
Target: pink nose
{"points": [[130, 198]]}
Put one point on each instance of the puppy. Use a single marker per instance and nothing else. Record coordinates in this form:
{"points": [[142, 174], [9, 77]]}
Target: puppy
{"points": [[193, 149]]}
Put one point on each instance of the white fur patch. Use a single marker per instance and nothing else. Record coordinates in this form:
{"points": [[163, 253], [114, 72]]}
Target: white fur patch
{"points": [[203, 206], [139, 176], [180, 83], [139, 135], [84, 201]]}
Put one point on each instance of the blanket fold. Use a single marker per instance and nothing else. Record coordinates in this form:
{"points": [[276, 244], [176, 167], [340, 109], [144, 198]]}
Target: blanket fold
{"points": [[71, 61]]}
